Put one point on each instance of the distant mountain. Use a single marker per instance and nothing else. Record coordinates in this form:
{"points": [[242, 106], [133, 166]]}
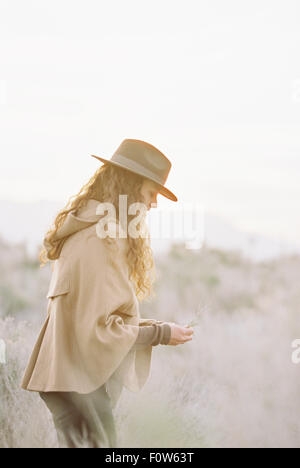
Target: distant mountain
{"points": [[27, 222], [221, 234]]}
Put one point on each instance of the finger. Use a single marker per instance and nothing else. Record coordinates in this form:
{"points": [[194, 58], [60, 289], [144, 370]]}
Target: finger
{"points": [[189, 331], [184, 340], [188, 338]]}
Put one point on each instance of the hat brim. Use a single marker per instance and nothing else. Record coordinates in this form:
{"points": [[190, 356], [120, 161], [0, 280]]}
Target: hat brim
{"points": [[161, 188]]}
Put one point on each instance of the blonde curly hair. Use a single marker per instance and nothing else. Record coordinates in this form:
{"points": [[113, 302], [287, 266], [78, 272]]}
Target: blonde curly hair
{"points": [[107, 183]]}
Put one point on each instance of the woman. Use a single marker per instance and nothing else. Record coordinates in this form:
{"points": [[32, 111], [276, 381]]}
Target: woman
{"points": [[93, 341]]}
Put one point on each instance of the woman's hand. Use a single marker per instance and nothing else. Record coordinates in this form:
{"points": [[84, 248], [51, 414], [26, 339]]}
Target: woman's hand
{"points": [[179, 334]]}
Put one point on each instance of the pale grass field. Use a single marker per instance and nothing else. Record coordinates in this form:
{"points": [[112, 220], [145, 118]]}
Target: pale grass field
{"points": [[234, 385]]}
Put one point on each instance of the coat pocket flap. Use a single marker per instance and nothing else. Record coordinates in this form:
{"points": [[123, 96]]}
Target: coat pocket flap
{"points": [[58, 287]]}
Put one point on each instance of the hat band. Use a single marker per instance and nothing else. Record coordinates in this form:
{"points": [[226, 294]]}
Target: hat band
{"points": [[136, 167]]}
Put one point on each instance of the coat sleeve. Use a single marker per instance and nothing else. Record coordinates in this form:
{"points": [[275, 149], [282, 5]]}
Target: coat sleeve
{"points": [[154, 335]]}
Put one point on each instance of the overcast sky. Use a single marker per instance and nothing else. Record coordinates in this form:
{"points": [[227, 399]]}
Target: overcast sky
{"points": [[214, 85]]}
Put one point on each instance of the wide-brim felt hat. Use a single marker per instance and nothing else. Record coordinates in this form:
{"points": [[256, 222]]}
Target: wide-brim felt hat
{"points": [[144, 159]]}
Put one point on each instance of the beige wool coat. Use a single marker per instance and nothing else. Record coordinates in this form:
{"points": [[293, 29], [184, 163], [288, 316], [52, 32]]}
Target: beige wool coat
{"points": [[93, 317]]}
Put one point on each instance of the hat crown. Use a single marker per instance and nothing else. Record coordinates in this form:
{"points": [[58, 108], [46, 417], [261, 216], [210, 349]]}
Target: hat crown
{"points": [[145, 154]]}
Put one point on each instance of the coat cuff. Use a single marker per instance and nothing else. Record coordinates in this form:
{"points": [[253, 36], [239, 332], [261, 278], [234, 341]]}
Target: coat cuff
{"points": [[153, 335], [148, 321]]}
